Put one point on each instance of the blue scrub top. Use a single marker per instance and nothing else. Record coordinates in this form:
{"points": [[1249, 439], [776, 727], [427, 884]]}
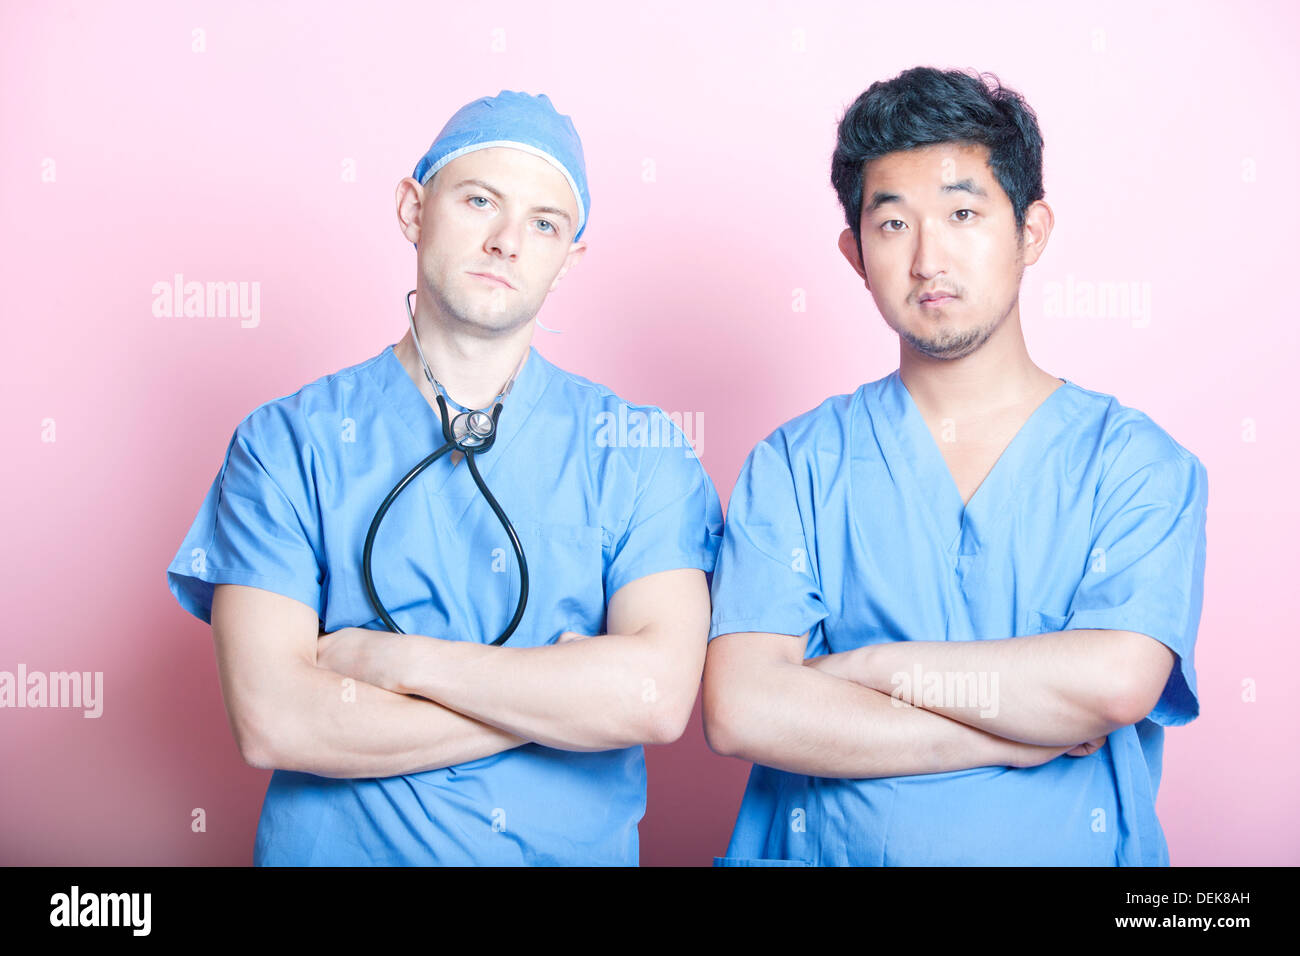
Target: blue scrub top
{"points": [[600, 493], [846, 522]]}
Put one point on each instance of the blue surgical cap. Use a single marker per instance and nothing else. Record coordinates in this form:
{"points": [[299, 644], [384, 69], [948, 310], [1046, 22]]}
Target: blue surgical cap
{"points": [[520, 121]]}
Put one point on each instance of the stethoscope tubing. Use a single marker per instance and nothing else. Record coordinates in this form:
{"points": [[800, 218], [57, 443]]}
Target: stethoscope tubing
{"points": [[466, 445]]}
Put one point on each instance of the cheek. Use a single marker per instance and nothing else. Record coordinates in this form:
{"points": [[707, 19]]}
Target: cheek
{"points": [[548, 262]]}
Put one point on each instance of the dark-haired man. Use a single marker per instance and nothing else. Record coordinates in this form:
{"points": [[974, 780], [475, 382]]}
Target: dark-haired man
{"points": [[954, 610]]}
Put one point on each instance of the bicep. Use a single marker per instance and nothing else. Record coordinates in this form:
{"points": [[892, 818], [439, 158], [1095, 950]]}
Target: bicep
{"points": [[669, 610], [672, 605], [731, 653], [262, 641], [667, 614], [735, 673]]}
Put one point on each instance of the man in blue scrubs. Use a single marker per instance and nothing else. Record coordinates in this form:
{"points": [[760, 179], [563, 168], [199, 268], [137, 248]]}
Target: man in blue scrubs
{"points": [[954, 610], [435, 746]]}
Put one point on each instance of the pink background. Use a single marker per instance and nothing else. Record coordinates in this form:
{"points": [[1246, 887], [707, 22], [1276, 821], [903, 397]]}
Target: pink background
{"points": [[1171, 144]]}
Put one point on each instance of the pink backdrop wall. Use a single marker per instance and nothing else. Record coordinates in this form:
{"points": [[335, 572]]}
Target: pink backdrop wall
{"points": [[232, 142]]}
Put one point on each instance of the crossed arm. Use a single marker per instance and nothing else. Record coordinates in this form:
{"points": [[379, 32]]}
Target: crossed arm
{"points": [[337, 705], [840, 715]]}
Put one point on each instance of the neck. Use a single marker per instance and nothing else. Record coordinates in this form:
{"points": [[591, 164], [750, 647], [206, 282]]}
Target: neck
{"points": [[995, 376], [473, 369]]}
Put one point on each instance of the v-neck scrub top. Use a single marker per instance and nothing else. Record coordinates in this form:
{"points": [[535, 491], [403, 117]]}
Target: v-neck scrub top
{"points": [[595, 508], [846, 522]]}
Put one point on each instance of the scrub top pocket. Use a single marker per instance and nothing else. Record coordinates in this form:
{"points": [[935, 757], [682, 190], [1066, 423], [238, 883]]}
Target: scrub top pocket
{"points": [[566, 571]]}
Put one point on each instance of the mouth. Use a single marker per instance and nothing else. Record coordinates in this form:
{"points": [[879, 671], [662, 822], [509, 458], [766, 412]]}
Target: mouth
{"points": [[489, 277], [933, 300]]}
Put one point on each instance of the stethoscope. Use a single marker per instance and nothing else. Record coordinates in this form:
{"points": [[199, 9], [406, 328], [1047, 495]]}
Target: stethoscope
{"points": [[472, 431]]}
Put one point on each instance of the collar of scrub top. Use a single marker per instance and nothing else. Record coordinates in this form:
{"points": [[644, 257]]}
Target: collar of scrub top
{"points": [[421, 419], [907, 440]]}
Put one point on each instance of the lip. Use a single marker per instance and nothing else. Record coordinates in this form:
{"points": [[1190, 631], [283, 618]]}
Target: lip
{"points": [[492, 278], [935, 299]]}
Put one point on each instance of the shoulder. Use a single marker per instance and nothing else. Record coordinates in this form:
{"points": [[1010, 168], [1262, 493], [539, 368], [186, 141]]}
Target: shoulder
{"points": [[823, 430], [1130, 445], [643, 436], [1127, 436], [291, 417], [578, 392]]}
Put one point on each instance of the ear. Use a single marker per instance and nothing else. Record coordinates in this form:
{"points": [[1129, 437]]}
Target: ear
{"points": [[574, 256], [849, 248], [410, 204], [1039, 220]]}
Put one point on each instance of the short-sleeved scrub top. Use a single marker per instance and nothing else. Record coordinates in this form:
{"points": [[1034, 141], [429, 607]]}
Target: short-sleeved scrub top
{"points": [[600, 493], [845, 522]]}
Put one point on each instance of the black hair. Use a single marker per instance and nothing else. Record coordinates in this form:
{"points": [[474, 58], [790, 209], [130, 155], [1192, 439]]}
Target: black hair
{"points": [[924, 106]]}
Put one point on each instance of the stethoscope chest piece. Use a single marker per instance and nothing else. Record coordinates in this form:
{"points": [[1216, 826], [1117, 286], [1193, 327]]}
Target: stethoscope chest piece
{"points": [[474, 429], [470, 430]]}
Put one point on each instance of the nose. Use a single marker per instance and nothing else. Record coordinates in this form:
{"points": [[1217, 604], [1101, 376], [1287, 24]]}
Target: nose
{"points": [[504, 237], [930, 258]]}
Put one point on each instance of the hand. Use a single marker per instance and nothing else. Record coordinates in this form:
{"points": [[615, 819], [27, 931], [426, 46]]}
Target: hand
{"points": [[1034, 755], [360, 653], [1087, 748]]}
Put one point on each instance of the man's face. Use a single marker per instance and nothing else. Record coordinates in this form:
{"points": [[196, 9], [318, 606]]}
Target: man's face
{"points": [[496, 212], [936, 221]]}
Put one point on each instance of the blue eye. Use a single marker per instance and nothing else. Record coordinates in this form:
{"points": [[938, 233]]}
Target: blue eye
{"points": [[550, 227], [484, 198]]}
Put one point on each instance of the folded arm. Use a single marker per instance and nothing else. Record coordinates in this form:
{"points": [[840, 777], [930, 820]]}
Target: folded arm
{"points": [[1048, 689], [290, 714], [761, 703], [633, 685]]}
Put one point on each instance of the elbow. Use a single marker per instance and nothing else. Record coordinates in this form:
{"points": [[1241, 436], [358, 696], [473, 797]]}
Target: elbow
{"points": [[664, 730], [719, 741], [720, 725], [258, 746], [258, 758], [1128, 705], [1135, 695], [255, 752], [668, 718], [1142, 669]]}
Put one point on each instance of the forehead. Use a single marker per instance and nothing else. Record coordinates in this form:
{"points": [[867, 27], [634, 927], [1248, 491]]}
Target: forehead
{"points": [[515, 173], [922, 172]]}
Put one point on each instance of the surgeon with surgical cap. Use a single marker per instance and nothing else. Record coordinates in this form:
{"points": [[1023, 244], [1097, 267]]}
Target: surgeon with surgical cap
{"points": [[437, 746]]}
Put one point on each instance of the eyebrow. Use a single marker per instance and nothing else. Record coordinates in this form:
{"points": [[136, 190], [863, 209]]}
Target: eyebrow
{"points": [[880, 198], [549, 210]]}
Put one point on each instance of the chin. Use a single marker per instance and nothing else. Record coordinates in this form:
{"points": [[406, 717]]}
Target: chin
{"points": [[955, 345], [494, 323]]}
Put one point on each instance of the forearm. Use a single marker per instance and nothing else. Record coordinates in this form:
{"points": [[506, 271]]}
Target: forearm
{"points": [[1046, 689], [334, 726], [802, 720], [598, 693]]}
